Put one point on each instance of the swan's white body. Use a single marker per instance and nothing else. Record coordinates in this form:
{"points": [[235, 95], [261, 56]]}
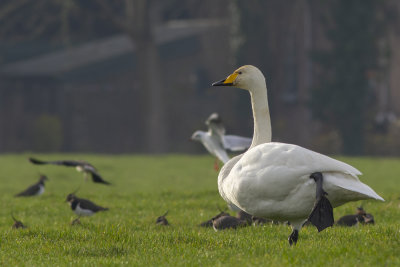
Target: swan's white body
{"points": [[272, 180]]}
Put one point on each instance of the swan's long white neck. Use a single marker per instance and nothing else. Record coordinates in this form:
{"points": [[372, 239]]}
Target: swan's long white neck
{"points": [[262, 121]]}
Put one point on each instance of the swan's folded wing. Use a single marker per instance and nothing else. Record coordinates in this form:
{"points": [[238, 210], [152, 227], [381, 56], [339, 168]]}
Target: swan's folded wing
{"points": [[236, 143], [279, 159]]}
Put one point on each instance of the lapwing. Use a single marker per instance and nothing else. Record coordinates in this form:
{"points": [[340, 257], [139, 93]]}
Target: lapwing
{"points": [[80, 165], [354, 219], [82, 207], [226, 222], [35, 189], [209, 223], [17, 224], [162, 220], [244, 216], [217, 142]]}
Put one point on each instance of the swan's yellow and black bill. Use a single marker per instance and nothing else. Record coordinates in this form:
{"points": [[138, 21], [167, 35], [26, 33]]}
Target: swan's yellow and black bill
{"points": [[228, 81]]}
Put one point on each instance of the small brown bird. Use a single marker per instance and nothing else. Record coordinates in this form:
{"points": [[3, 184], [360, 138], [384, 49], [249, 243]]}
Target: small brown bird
{"points": [[17, 224], [226, 222], [162, 220], [35, 189], [209, 223], [244, 216]]}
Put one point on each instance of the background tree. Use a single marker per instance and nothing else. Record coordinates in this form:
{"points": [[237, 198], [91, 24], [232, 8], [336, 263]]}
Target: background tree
{"points": [[342, 96], [71, 21]]}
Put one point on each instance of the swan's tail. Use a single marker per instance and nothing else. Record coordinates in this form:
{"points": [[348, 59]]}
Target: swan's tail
{"points": [[353, 190]]}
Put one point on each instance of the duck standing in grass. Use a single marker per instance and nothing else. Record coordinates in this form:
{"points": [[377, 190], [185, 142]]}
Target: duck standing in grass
{"points": [[82, 207], [35, 189], [80, 165], [284, 182]]}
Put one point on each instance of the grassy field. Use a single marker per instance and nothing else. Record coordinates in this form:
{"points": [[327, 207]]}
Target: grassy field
{"points": [[146, 187]]}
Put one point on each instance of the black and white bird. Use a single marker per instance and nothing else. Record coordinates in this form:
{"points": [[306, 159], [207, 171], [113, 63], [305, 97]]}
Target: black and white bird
{"points": [[35, 189], [217, 142], [354, 219], [82, 207], [162, 220], [80, 165]]}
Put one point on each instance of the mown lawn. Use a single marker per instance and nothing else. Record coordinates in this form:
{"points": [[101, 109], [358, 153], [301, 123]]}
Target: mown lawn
{"points": [[146, 187]]}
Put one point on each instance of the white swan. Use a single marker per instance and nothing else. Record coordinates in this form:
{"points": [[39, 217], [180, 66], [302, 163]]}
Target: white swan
{"points": [[272, 180]]}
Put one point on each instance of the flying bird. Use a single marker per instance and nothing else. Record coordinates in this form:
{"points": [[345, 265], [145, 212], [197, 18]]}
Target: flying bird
{"points": [[35, 189], [217, 142], [284, 182], [80, 165], [82, 207]]}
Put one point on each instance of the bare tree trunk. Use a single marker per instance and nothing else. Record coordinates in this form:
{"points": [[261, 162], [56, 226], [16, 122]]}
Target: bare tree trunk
{"points": [[148, 67]]}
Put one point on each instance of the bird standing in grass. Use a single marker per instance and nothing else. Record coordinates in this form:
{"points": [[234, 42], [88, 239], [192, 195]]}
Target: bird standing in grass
{"points": [[209, 223], [284, 182], [17, 224], [82, 207], [35, 189], [162, 220], [80, 165], [354, 219], [217, 142], [227, 221]]}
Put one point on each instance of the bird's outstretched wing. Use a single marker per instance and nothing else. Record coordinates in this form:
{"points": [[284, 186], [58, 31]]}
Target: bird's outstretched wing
{"points": [[236, 143], [68, 163], [96, 178], [215, 125]]}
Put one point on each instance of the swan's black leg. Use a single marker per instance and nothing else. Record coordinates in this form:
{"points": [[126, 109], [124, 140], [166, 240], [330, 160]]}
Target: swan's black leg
{"points": [[293, 237], [322, 213]]}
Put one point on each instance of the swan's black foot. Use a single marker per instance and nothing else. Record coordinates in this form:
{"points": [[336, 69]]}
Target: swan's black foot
{"points": [[293, 237], [322, 213]]}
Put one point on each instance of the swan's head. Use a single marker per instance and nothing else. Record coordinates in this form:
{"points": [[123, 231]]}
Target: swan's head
{"points": [[246, 77]]}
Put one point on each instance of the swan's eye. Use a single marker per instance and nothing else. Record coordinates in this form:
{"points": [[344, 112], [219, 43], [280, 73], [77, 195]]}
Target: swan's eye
{"points": [[239, 72]]}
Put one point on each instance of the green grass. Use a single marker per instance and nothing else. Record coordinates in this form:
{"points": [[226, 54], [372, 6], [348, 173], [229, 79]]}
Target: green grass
{"points": [[147, 186]]}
